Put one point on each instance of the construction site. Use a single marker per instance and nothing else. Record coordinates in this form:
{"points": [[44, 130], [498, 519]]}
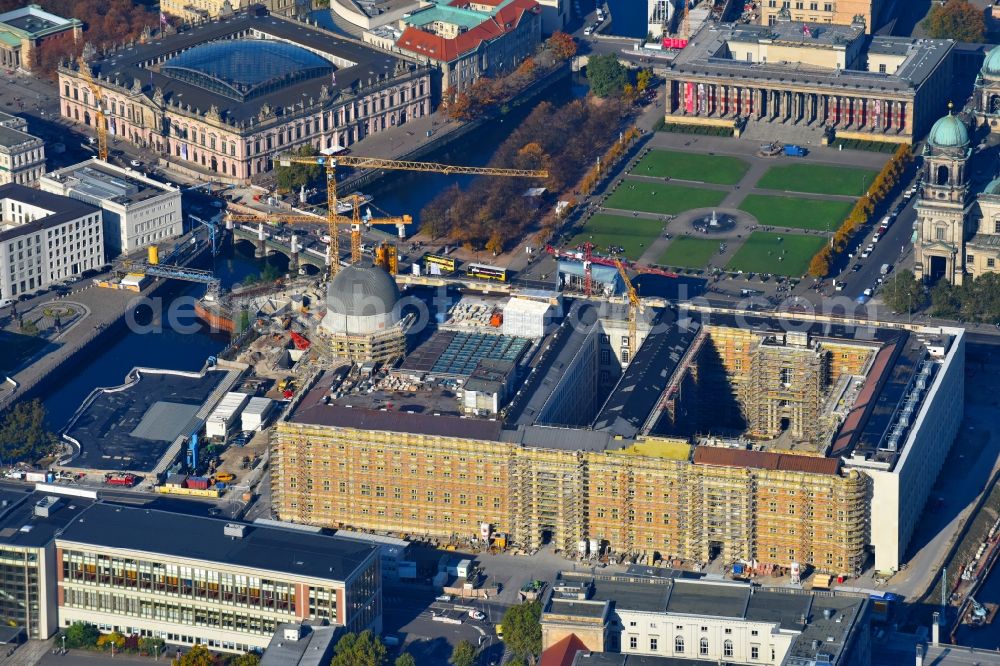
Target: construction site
{"points": [[604, 429]]}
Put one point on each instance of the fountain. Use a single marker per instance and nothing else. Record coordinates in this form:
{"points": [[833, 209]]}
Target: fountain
{"points": [[714, 223]]}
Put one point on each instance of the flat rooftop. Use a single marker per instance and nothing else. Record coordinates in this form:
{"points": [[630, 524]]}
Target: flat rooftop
{"points": [[288, 552], [21, 527], [64, 209], [356, 64], [11, 138], [94, 182], [131, 429], [707, 55]]}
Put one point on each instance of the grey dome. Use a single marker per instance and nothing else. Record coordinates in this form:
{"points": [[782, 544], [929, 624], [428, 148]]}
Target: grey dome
{"points": [[357, 291]]}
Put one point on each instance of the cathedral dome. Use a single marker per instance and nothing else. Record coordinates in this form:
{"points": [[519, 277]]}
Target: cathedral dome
{"points": [[949, 132], [360, 301], [991, 66]]}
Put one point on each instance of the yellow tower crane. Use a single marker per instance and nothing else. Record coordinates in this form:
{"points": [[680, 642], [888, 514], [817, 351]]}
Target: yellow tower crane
{"points": [[633, 309], [102, 132], [330, 164]]}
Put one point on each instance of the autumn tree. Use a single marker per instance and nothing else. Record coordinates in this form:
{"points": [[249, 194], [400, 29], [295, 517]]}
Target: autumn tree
{"points": [[820, 264], [196, 656], [956, 19], [364, 649], [643, 79], [561, 45], [460, 107]]}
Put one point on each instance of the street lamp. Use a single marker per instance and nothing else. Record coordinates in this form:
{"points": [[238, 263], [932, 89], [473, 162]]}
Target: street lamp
{"points": [[64, 643]]}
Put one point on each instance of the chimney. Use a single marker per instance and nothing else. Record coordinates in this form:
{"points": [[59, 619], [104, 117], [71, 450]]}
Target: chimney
{"points": [[920, 655], [936, 628]]}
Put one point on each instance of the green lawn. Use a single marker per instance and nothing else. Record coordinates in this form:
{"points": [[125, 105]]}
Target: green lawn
{"points": [[719, 169], [688, 252], [797, 213], [818, 179], [761, 251], [662, 199], [632, 233]]}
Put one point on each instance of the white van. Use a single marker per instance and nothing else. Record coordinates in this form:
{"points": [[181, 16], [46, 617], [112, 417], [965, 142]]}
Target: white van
{"points": [[885, 269]]}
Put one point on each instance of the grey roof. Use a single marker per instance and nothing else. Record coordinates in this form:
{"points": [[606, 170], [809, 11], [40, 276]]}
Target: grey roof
{"points": [[646, 377], [781, 607], [94, 181], [64, 209], [271, 549], [129, 65], [565, 439], [586, 608], [20, 527], [701, 597], [584, 658], [316, 413], [706, 56], [313, 648], [10, 137], [831, 634], [362, 291]]}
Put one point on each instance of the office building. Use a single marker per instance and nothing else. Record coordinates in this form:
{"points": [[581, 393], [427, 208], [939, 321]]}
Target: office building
{"points": [[45, 238], [29, 523], [714, 621], [228, 586], [22, 156], [138, 211]]}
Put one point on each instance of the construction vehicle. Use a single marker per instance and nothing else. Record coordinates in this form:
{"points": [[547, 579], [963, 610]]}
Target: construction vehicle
{"points": [[387, 258], [125, 480], [633, 309], [102, 131], [330, 163], [286, 383]]}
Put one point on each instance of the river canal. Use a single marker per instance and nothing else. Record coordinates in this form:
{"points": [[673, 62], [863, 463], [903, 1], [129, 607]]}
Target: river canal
{"points": [[987, 637], [164, 347]]}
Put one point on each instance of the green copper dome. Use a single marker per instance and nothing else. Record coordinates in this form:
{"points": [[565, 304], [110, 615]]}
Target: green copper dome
{"points": [[991, 66], [949, 132]]}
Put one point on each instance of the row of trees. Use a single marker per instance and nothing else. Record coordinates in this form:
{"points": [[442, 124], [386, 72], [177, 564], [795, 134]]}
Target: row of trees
{"points": [[492, 211], [24, 435], [487, 92], [881, 187], [610, 158], [106, 23], [976, 300]]}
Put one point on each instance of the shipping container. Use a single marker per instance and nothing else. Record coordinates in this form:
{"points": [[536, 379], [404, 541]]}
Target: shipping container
{"points": [[198, 483], [221, 421], [255, 414]]}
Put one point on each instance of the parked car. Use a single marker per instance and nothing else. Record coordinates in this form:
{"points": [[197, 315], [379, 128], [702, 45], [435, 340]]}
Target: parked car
{"points": [[476, 615], [868, 292], [443, 597], [839, 286], [135, 163], [6, 303], [855, 268]]}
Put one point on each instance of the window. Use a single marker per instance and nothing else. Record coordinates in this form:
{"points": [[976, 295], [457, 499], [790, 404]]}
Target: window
{"points": [[991, 263], [679, 644], [996, 227], [939, 233], [703, 647], [754, 652], [827, 6], [633, 642], [881, 68], [728, 630], [754, 632], [652, 644], [727, 648], [970, 259]]}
